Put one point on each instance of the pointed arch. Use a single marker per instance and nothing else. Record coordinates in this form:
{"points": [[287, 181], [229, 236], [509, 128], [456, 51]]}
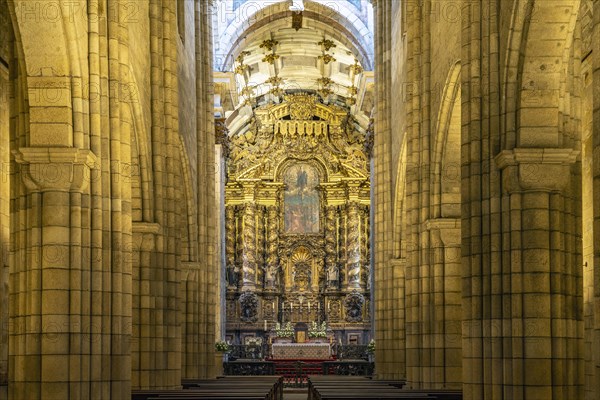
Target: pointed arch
{"points": [[446, 150]]}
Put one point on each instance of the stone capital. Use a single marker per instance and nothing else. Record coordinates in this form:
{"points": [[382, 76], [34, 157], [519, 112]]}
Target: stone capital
{"points": [[533, 169], [398, 262], [47, 169], [144, 234], [448, 230]]}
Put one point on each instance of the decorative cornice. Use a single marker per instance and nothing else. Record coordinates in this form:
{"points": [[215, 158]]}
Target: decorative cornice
{"points": [[51, 169], [535, 156], [531, 169], [146, 227]]}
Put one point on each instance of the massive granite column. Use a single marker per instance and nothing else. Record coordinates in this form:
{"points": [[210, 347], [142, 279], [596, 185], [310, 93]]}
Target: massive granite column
{"points": [[594, 385]]}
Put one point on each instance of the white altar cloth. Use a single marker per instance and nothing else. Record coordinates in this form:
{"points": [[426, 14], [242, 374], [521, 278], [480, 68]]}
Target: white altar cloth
{"points": [[293, 351]]}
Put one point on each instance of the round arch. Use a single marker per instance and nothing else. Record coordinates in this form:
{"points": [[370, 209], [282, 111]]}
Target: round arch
{"points": [[244, 28]]}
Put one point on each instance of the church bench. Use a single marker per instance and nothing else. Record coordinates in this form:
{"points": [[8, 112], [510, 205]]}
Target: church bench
{"points": [[212, 394], [230, 388], [348, 387], [274, 382]]}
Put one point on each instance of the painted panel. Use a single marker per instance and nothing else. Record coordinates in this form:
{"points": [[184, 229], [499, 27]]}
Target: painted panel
{"points": [[301, 199]]}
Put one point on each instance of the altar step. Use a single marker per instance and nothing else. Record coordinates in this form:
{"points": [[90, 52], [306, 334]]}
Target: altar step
{"points": [[295, 372]]}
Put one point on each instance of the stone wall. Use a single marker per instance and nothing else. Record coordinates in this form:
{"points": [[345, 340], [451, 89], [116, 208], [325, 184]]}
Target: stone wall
{"points": [[111, 272]]}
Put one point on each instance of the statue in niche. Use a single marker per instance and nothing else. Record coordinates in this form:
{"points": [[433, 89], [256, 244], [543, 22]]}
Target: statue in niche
{"points": [[271, 275], [302, 276], [354, 274], [232, 276], [333, 276]]}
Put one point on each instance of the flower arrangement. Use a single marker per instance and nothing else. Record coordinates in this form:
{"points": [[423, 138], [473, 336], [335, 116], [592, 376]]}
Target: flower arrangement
{"points": [[284, 332], [222, 347], [371, 347], [317, 331]]}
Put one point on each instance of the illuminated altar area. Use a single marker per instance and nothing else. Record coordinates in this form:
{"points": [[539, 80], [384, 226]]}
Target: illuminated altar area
{"points": [[297, 224]]}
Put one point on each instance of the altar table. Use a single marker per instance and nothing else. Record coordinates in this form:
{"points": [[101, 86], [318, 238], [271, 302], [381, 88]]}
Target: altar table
{"points": [[306, 351]]}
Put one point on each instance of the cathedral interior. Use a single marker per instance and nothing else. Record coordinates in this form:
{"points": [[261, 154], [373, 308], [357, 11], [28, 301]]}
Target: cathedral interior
{"points": [[411, 187]]}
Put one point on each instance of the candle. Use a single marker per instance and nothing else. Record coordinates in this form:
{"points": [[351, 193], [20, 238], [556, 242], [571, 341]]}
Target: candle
{"points": [[309, 306], [273, 304], [265, 324], [291, 306], [319, 306]]}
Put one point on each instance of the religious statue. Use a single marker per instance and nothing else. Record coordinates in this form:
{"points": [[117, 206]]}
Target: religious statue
{"points": [[333, 276], [271, 276], [232, 275], [354, 274]]}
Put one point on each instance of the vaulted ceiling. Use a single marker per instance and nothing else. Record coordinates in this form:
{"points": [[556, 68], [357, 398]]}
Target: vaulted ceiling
{"points": [[329, 54]]}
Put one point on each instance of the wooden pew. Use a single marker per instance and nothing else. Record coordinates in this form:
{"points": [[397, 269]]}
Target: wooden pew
{"points": [[226, 388], [347, 388]]}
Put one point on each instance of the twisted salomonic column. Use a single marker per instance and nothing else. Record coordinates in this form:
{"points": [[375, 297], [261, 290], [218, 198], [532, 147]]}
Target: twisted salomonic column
{"points": [[239, 248], [232, 278], [331, 267], [342, 256], [260, 245], [353, 246], [249, 243], [364, 246], [272, 245]]}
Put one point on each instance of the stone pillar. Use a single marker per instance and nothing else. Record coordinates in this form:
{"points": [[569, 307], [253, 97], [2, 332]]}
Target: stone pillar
{"points": [[522, 301], [4, 221], [273, 274], [595, 294], [249, 249], [331, 266], [51, 331], [353, 261], [386, 359], [190, 308], [445, 325], [145, 336], [398, 320]]}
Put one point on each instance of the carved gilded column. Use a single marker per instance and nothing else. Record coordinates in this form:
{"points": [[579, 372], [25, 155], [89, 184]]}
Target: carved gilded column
{"points": [[353, 246], [239, 237], [260, 245], [331, 237], [272, 246], [249, 256], [342, 256], [230, 236], [364, 247]]}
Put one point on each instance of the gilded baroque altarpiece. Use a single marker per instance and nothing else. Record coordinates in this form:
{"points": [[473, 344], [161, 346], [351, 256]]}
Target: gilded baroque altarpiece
{"points": [[297, 205]]}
